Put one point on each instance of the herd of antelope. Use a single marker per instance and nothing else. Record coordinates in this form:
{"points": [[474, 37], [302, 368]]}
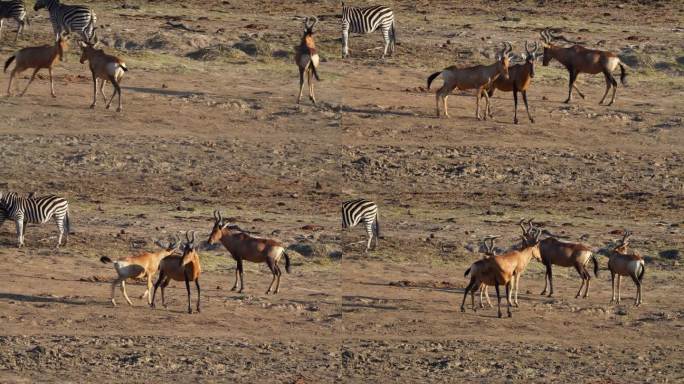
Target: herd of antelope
{"points": [[506, 269], [179, 260]]}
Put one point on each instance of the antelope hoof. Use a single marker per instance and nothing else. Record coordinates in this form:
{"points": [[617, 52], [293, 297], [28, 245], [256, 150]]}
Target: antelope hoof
{"points": [[234, 288], [532, 121], [198, 310], [510, 314], [119, 109], [499, 314], [462, 309], [152, 305], [567, 101], [54, 96], [92, 106], [516, 305], [515, 121], [107, 106], [190, 310], [113, 303]]}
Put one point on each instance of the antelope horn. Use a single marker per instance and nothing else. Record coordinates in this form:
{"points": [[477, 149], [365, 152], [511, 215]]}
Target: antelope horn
{"points": [[510, 47], [526, 49], [530, 224], [538, 233], [315, 21], [219, 218], [522, 226]]}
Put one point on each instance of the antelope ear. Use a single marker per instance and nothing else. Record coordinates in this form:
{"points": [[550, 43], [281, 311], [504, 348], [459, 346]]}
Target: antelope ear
{"points": [[224, 225]]}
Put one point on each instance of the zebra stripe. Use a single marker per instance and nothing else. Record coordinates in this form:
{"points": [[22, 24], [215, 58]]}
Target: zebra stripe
{"points": [[13, 9], [362, 211], [36, 210], [367, 20], [68, 18]]}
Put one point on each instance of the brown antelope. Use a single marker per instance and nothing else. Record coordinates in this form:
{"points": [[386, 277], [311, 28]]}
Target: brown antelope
{"points": [[563, 254], [488, 252], [106, 68], [245, 247], [578, 59], [479, 77], [621, 263], [180, 268], [519, 78], [306, 58], [144, 265], [500, 269], [44, 56]]}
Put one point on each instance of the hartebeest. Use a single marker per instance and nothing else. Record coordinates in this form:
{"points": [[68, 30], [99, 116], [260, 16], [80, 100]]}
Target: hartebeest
{"points": [[144, 265], [622, 263], [245, 247], [307, 59], [185, 268], [44, 56], [578, 59], [563, 254], [479, 77], [500, 269], [106, 68], [519, 78]]}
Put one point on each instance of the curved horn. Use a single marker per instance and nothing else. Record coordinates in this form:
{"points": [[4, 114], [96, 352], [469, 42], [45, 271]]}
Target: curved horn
{"points": [[522, 221], [530, 225], [193, 237], [510, 47], [315, 21], [218, 216]]}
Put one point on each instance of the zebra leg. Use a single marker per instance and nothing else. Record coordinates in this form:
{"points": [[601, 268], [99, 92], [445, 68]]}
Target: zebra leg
{"points": [[385, 37], [52, 86], [345, 43], [301, 84], [30, 81], [20, 232], [60, 221]]}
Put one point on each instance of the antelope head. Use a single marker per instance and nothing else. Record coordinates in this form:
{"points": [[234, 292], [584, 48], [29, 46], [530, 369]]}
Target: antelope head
{"points": [[504, 59]]}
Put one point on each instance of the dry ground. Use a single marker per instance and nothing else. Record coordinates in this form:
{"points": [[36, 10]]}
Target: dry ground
{"points": [[210, 122]]}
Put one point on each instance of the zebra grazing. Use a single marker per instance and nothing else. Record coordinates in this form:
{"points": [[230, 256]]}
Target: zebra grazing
{"points": [[365, 211], [38, 210], [14, 9], [68, 18], [367, 20]]}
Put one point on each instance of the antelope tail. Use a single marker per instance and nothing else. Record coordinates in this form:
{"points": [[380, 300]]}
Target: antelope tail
{"points": [[643, 270], [432, 77], [287, 262], [466, 272], [623, 74], [315, 72], [8, 62], [596, 266]]}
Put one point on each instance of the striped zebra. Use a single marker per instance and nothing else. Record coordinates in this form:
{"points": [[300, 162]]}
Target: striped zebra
{"points": [[14, 9], [367, 20], [362, 211], [68, 18], [37, 210]]}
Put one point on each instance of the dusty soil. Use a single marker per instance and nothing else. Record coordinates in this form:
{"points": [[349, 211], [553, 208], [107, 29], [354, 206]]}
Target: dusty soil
{"points": [[210, 122]]}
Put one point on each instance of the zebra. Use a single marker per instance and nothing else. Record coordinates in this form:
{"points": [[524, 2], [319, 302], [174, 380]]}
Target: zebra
{"points": [[367, 20], [362, 210], [68, 18], [14, 9], [38, 210]]}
